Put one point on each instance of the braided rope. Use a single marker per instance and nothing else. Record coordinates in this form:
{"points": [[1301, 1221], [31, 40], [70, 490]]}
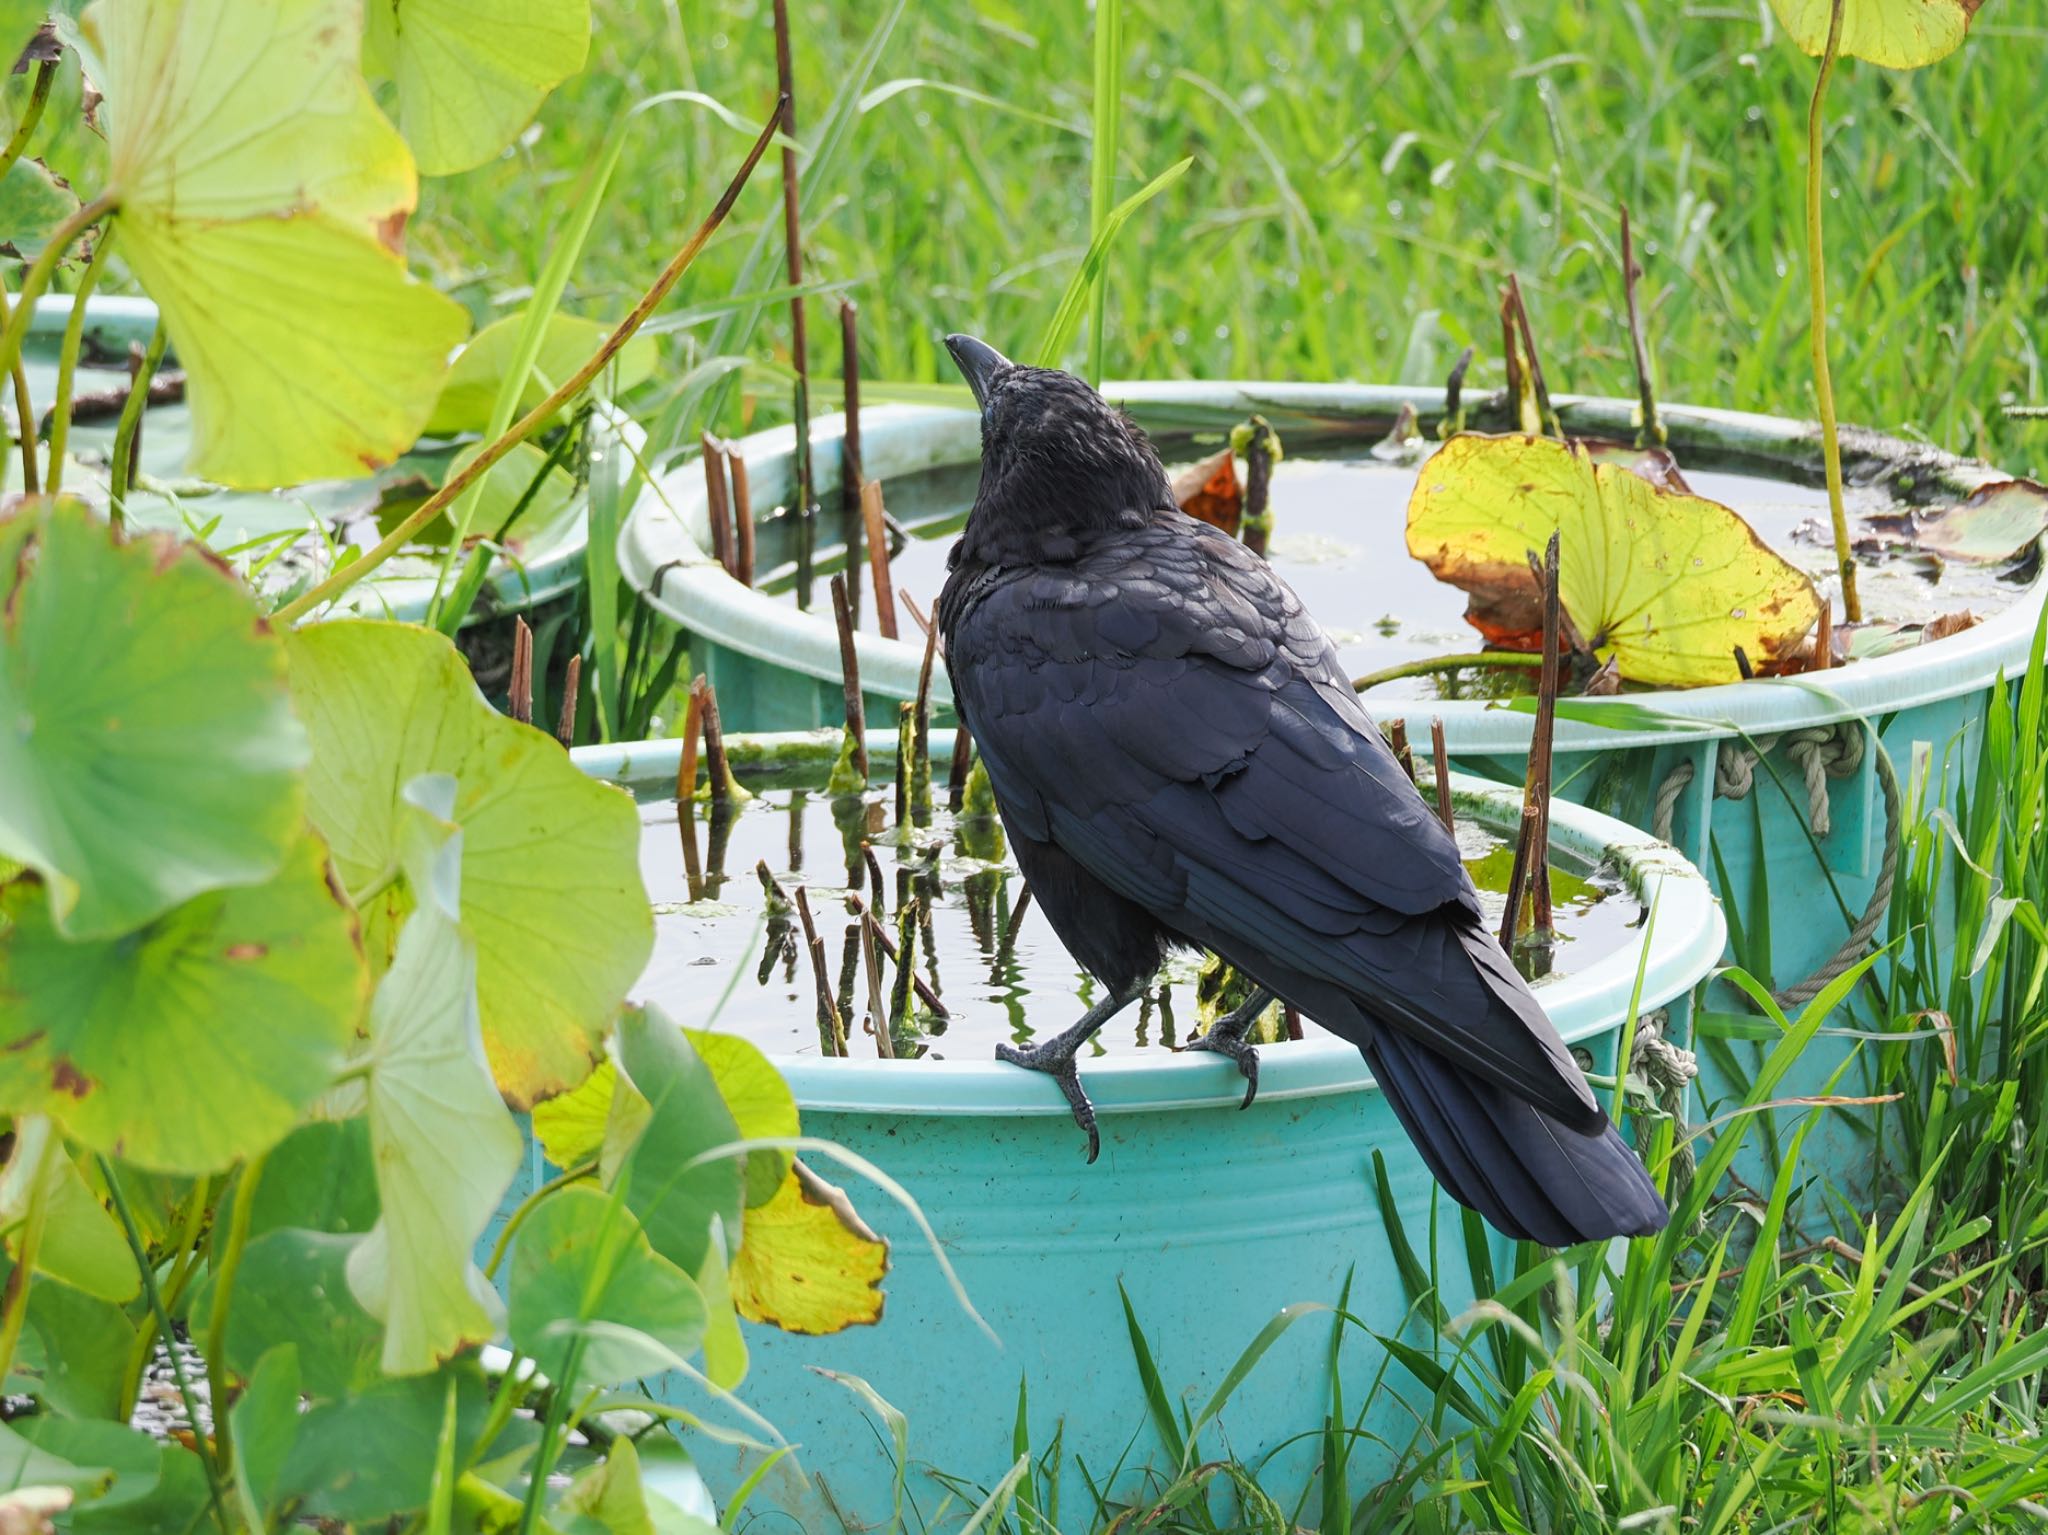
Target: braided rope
{"points": [[1667, 1071], [1821, 752]]}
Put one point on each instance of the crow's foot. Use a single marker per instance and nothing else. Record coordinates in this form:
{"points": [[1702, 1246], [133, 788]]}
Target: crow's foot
{"points": [[1226, 1038], [1055, 1057]]}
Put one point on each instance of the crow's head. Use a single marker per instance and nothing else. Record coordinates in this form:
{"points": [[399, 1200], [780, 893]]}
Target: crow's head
{"points": [[1055, 455]]}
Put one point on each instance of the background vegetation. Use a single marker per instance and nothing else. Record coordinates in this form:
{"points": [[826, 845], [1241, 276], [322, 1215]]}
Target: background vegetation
{"points": [[1364, 178]]}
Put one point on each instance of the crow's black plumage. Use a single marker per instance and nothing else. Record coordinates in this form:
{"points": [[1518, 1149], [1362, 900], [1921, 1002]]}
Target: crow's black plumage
{"points": [[1179, 760]]}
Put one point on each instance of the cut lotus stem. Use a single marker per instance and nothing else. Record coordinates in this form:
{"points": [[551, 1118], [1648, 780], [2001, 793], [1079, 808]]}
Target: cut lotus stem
{"points": [[874, 518], [906, 752], [878, 1006], [921, 735], [1652, 433], [1545, 412], [715, 768], [1518, 880], [1824, 637], [1397, 739], [1817, 294], [849, 674], [520, 690], [804, 509], [1537, 793], [925, 993], [876, 886], [565, 727], [716, 506], [1260, 445], [849, 967], [850, 475], [686, 795], [128, 433], [1292, 1019], [905, 959], [831, 1028], [1440, 759], [1453, 421], [956, 774], [778, 902], [742, 516]]}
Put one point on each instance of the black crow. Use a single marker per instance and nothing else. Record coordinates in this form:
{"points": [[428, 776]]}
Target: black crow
{"points": [[1180, 761]]}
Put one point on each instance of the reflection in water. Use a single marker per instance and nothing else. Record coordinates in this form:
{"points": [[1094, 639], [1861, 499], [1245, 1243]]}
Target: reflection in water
{"points": [[954, 958]]}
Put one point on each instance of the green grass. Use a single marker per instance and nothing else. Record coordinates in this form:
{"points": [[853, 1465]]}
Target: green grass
{"points": [[1364, 178]]}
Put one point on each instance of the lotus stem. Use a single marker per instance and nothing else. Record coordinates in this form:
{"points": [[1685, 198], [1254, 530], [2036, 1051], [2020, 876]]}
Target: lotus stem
{"points": [[67, 360], [1817, 289], [1430, 665]]}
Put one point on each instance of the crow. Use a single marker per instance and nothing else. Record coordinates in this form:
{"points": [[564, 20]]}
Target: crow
{"points": [[1180, 762]]}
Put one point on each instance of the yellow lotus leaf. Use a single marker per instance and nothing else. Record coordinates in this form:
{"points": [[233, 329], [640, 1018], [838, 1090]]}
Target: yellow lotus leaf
{"points": [[259, 196], [1670, 585], [1899, 34], [807, 1263], [469, 76], [570, 1126], [471, 389]]}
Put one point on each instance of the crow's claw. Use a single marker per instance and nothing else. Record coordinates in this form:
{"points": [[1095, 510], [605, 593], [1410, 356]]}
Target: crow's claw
{"points": [[1056, 1059], [1232, 1047]]}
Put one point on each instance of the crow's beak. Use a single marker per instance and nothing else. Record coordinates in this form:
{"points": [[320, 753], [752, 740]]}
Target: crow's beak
{"points": [[978, 363]]}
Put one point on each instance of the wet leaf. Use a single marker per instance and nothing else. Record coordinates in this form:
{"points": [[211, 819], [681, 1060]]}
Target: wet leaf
{"points": [[193, 1042], [807, 1262], [1209, 492], [674, 1196], [444, 1146], [1899, 34], [472, 387], [1941, 627], [34, 200], [125, 671], [470, 78], [551, 891], [309, 352], [582, 1267], [1995, 524], [1668, 585]]}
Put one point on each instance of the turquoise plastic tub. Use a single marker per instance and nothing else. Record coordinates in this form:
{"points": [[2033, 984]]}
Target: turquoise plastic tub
{"points": [[1772, 788], [550, 562], [1209, 1219]]}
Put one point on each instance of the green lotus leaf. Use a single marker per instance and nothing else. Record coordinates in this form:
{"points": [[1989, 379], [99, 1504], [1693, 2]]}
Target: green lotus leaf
{"points": [[292, 1289], [267, 1420], [260, 195], [73, 1354], [499, 514], [1899, 34], [193, 1042], [613, 1497], [82, 1244], [149, 752], [1671, 585], [760, 1102], [444, 1146], [674, 1196], [471, 391], [393, 1427], [582, 1267], [469, 77], [33, 202], [551, 890]]}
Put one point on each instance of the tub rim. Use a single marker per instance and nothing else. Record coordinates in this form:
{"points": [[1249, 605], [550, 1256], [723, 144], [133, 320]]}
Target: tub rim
{"points": [[510, 588], [662, 554], [1686, 938]]}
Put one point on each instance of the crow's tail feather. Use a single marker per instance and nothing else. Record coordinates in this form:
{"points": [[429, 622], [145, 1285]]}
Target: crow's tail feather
{"points": [[1528, 1174]]}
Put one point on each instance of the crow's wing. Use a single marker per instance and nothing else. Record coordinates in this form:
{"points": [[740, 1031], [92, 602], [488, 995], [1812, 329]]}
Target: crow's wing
{"points": [[1165, 711]]}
